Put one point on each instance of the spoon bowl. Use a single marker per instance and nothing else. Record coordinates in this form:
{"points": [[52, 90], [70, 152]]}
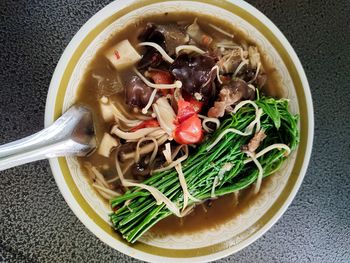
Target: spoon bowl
{"points": [[72, 134]]}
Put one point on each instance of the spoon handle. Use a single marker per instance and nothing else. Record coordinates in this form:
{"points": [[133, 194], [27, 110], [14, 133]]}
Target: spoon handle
{"points": [[71, 134]]}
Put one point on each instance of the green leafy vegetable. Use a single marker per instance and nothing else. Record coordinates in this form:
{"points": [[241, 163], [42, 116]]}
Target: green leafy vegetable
{"points": [[202, 167], [269, 106]]}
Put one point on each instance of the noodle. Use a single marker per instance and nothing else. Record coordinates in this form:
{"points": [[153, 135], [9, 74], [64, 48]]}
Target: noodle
{"points": [[189, 47], [184, 187], [228, 45], [177, 150], [240, 66], [232, 130], [261, 171], [167, 153], [221, 30], [176, 84], [174, 163], [245, 102], [165, 56], [187, 211], [204, 208], [216, 180], [117, 114], [147, 148], [158, 196], [155, 149], [96, 174], [157, 134], [106, 190], [216, 67], [128, 165], [255, 122], [256, 73], [208, 119], [258, 113], [278, 146], [132, 135], [165, 115], [103, 194], [149, 104], [217, 73], [252, 87]]}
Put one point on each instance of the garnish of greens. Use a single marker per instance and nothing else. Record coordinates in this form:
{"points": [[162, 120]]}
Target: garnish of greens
{"points": [[136, 211]]}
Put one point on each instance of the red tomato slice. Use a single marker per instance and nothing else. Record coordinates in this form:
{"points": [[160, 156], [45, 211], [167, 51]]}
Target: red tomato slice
{"points": [[184, 111], [146, 124], [161, 77], [189, 131], [197, 105]]}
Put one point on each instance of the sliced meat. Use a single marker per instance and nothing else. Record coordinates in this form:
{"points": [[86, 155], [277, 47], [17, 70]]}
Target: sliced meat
{"points": [[226, 98], [255, 142], [230, 94]]}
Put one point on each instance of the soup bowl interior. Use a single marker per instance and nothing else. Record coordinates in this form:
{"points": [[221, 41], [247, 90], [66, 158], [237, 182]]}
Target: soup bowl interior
{"points": [[249, 223]]}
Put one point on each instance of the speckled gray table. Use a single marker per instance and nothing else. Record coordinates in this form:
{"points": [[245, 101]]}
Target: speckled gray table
{"points": [[38, 226]]}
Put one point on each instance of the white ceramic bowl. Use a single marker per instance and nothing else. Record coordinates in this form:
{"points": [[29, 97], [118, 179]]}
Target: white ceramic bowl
{"points": [[272, 202]]}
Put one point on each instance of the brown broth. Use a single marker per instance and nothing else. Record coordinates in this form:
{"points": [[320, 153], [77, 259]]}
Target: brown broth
{"points": [[204, 217], [223, 208]]}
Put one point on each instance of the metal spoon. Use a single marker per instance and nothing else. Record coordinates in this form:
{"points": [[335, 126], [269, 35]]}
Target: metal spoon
{"points": [[71, 135]]}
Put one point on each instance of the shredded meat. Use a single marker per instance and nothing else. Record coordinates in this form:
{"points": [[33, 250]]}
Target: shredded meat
{"points": [[229, 61], [254, 143], [230, 95], [226, 98]]}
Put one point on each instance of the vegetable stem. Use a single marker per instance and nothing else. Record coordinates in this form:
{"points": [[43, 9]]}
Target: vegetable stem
{"points": [[203, 166]]}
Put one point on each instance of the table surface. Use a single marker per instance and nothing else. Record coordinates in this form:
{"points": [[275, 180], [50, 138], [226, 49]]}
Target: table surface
{"points": [[37, 224]]}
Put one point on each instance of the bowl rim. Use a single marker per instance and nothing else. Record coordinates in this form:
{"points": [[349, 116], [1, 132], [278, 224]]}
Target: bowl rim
{"points": [[51, 113]]}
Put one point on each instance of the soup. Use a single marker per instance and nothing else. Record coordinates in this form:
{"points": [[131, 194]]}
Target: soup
{"points": [[186, 121]]}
